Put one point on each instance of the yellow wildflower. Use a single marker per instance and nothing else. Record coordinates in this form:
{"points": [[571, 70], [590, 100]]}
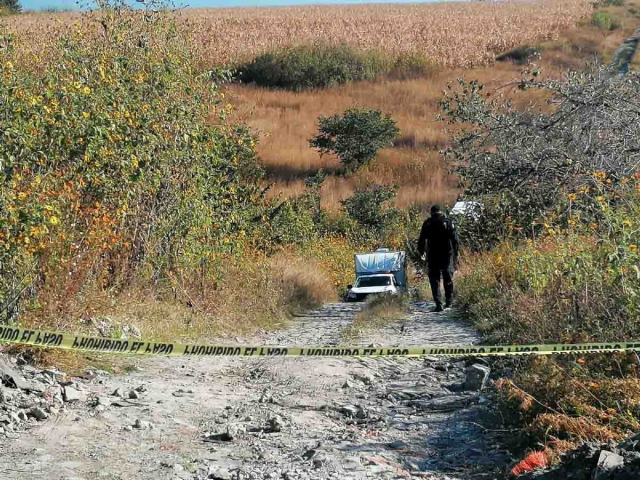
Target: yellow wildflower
{"points": [[54, 220], [86, 114], [86, 90]]}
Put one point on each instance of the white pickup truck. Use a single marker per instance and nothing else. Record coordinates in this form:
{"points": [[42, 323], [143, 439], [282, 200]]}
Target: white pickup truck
{"points": [[381, 272]]}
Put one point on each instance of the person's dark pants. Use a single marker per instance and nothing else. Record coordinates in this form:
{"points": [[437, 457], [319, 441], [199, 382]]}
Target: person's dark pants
{"points": [[447, 278]]}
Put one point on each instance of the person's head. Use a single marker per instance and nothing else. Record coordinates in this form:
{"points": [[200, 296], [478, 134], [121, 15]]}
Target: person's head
{"points": [[435, 210]]}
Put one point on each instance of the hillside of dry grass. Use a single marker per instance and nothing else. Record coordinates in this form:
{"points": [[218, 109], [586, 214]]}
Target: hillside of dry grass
{"points": [[456, 34], [449, 35], [286, 120]]}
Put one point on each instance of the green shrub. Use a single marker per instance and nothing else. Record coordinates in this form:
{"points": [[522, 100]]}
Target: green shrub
{"points": [[408, 66], [605, 21], [355, 137], [324, 66], [574, 281], [613, 3], [303, 67], [519, 55], [114, 139], [10, 6], [369, 208], [523, 164]]}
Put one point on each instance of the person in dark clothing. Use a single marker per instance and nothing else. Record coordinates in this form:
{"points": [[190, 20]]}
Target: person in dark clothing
{"points": [[439, 242]]}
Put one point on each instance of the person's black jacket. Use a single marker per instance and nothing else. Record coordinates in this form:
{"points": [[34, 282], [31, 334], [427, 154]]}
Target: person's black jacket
{"points": [[439, 240]]}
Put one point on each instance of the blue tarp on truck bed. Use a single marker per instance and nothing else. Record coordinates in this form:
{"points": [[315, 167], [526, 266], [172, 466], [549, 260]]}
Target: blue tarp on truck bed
{"points": [[383, 262]]}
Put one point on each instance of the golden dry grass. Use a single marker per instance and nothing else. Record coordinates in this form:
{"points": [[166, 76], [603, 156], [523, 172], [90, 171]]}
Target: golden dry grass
{"points": [[453, 34], [378, 311], [286, 120], [456, 34], [252, 292]]}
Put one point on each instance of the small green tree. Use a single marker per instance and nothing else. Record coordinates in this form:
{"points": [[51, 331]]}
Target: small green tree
{"points": [[10, 6], [355, 137], [369, 208]]}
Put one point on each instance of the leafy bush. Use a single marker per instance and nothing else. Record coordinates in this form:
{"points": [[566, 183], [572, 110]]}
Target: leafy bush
{"points": [[519, 55], [524, 163], [311, 66], [10, 6], [369, 207], [110, 168], [408, 66], [559, 258], [613, 3], [355, 137], [578, 282], [289, 223], [605, 21], [323, 66]]}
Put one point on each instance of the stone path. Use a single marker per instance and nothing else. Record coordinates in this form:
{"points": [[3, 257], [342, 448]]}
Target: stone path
{"points": [[273, 418]]}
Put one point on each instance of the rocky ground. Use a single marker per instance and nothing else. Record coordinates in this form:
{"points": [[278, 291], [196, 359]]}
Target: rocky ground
{"points": [[273, 418]]}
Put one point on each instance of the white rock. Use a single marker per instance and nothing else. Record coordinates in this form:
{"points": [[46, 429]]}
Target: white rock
{"points": [[73, 395], [607, 463], [142, 425]]}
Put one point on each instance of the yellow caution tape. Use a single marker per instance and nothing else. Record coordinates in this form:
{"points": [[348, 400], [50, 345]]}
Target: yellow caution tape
{"points": [[25, 336]]}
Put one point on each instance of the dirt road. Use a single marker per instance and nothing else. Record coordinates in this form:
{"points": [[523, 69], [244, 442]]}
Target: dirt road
{"points": [[243, 418]]}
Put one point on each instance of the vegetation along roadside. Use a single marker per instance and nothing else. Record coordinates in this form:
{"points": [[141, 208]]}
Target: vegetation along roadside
{"points": [[139, 186]]}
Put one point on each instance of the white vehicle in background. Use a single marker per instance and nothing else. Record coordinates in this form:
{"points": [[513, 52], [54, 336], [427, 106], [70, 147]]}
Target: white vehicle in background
{"points": [[469, 209], [380, 272]]}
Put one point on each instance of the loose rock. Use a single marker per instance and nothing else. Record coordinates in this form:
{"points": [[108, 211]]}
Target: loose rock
{"points": [[71, 394], [142, 425], [476, 377], [38, 413], [275, 424], [607, 463], [216, 473]]}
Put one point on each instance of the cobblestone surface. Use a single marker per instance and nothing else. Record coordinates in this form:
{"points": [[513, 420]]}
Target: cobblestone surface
{"points": [[276, 418], [421, 327]]}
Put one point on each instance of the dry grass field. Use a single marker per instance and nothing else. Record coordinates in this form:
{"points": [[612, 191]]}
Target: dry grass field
{"points": [[454, 36], [286, 120], [460, 34]]}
